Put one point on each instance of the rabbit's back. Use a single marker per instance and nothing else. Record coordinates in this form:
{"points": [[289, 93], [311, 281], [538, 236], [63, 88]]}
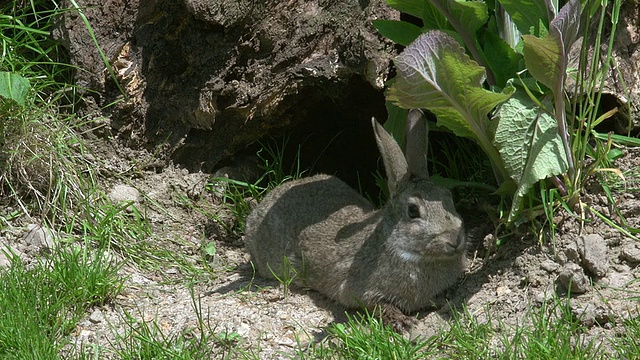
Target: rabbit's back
{"points": [[302, 217]]}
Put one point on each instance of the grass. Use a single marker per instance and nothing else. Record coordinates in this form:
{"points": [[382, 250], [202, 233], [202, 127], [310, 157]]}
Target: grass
{"points": [[547, 331], [627, 345], [43, 169], [148, 340], [364, 336], [239, 195], [48, 176], [28, 50], [42, 304]]}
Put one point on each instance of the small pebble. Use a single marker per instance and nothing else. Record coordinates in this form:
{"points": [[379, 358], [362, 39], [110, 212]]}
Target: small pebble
{"points": [[594, 255], [549, 266], [243, 330], [502, 290], [585, 313], [572, 253], [96, 316], [39, 237], [573, 279], [122, 193], [630, 253]]}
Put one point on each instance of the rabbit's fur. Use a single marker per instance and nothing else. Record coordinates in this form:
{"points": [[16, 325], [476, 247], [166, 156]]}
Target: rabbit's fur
{"points": [[395, 259]]}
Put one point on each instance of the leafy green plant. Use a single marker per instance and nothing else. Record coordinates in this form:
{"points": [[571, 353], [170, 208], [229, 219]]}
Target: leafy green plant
{"points": [[14, 87], [528, 138], [30, 52]]}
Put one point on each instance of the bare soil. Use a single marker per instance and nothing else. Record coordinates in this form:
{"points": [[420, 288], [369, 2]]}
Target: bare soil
{"points": [[594, 262]]}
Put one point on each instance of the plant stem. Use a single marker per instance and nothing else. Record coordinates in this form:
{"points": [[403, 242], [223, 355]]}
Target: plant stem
{"points": [[563, 130]]}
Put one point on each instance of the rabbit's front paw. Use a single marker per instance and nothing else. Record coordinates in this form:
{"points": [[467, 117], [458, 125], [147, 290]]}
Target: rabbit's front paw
{"points": [[392, 316]]}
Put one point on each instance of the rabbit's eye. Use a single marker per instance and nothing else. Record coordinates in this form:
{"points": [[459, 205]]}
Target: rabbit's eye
{"points": [[413, 211]]}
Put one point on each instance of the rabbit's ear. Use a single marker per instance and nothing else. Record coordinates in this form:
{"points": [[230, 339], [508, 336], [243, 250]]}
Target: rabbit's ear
{"points": [[395, 163], [417, 132]]}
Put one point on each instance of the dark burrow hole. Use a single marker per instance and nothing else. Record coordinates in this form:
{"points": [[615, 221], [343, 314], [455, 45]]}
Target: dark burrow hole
{"points": [[334, 135], [619, 122], [331, 133]]}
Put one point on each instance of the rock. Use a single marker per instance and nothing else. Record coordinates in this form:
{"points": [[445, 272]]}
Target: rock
{"points": [[594, 255], [96, 316], [561, 258], [630, 252], [549, 266], [542, 297], [620, 277], [573, 279], [243, 329], [589, 314], [39, 238], [6, 253], [4, 260], [571, 252], [123, 193], [585, 313], [502, 290]]}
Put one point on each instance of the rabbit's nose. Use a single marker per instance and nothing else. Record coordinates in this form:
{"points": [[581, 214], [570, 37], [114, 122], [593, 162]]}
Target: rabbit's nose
{"points": [[460, 240], [455, 242]]}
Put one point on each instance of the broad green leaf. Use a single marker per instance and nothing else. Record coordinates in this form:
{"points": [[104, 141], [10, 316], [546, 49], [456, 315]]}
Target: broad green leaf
{"points": [[466, 17], [210, 249], [614, 154], [400, 32], [547, 58], [501, 58], [396, 122], [528, 141], [528, 15], [411, 7], [472, 15], [543, 58], [435, 73], [14, 86], [567, 23], [433, 19]]}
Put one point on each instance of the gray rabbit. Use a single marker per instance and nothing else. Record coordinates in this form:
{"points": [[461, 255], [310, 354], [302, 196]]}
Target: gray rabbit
{"points": [[393, 260]]}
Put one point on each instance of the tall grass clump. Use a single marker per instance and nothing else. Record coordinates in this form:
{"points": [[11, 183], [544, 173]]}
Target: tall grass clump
{"points": [[44, 169]]}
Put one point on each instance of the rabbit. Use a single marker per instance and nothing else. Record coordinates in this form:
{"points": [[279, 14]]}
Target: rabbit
{"points": [[393, 260]]}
